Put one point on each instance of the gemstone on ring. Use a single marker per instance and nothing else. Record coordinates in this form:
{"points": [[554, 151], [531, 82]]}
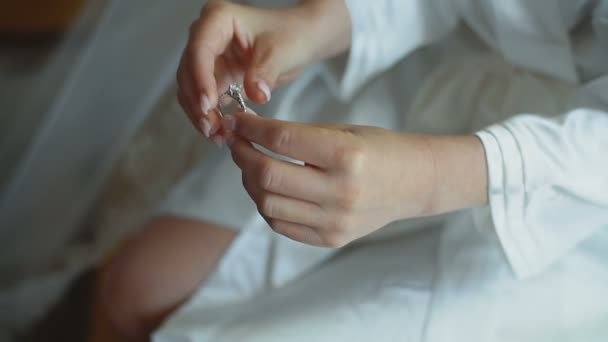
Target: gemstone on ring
{"points": [[232, 95]]}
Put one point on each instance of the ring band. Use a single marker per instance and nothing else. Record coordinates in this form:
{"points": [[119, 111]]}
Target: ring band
{"points": [[234, 92]]}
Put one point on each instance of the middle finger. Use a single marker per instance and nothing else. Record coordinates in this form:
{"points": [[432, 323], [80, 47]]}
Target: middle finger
{"points": [[282, 177], [277, 207]]}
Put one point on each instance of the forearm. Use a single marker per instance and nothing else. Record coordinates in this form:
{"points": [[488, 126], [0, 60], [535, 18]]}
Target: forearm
{"points": [[461, 173], [458, 173]]}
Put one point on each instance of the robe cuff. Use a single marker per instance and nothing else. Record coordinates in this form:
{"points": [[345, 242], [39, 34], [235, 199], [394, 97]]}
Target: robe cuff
{"points": [[507, 195]]}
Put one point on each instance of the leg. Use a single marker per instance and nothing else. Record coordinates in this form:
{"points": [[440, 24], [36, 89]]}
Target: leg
{"points": [[376, 291], [157, 270]]}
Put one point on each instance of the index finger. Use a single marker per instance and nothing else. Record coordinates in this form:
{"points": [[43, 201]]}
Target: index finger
{"points": [[314, 145], [209, 37]]}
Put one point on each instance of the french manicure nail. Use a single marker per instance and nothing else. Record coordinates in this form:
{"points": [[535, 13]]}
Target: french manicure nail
{"points": [[205, 104], [205, 126], [229, 122], [263, 87]]}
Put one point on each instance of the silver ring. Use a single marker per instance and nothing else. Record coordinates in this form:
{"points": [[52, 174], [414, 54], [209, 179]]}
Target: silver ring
{"points": [[233, 94]]}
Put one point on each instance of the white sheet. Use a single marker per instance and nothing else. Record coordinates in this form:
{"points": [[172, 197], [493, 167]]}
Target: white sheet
{"points": [[450, 281]]}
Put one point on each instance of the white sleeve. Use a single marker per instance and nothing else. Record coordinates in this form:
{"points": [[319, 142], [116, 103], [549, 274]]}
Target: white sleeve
{"points": [[531, 34], [548, 184], [385, 31]]}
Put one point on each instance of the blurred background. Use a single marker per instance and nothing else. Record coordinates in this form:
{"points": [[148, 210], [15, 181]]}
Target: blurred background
{"points": [[89, 126]]}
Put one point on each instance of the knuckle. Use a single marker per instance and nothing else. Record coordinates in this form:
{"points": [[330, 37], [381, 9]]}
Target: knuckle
{"points": [[266, 176], [194, 27], [351, 158], [217, 14], [340, 224], [276, 226], [191, 52], [266, 206], [280, 138]]}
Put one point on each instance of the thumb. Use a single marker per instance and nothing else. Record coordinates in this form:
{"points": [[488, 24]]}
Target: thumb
{"points": [[262, 73]]}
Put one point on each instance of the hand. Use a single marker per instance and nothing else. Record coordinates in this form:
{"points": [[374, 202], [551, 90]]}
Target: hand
{"points": [[355, 179], [260, 48]]}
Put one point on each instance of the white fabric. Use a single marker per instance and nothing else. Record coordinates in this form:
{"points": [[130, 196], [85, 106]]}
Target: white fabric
{"points": [[540, 167], [534, 35], [119, 74], [532, 266], [64, 133]]}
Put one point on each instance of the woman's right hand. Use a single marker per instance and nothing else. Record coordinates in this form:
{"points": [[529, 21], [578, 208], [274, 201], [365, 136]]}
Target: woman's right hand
{"points": [[257, 47]]}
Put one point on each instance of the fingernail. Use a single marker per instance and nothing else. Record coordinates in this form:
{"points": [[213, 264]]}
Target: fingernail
{"points": [[205, 104], [263, 87], [218, 140], [229, 122], [205, 126]]}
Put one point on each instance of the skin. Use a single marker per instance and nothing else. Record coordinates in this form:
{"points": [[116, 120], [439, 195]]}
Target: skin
{"points": [[157, 269], [260, 48], [354, 181], [153, 272], [337, 197]]}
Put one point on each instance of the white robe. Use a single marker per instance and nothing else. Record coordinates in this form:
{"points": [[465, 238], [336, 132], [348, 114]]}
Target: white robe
{"points": [[531, 266]]}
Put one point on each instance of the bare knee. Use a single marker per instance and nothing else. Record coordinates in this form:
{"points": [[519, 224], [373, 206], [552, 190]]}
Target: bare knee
{"points": [[157, 270], [125, 299]]}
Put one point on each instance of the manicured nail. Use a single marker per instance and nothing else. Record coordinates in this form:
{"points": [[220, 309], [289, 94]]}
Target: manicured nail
{"points": [[205, 126], [229, 122], [218, 140], [205, 104], [263, 87]]}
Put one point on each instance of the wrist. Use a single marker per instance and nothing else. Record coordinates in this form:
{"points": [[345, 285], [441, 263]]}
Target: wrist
{"points": [[413, 175], [459, 173]]}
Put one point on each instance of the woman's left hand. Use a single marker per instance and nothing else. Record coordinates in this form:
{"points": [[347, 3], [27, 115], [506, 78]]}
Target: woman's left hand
{"points": [[354, 181]]}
